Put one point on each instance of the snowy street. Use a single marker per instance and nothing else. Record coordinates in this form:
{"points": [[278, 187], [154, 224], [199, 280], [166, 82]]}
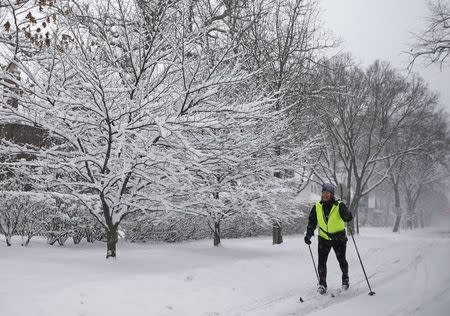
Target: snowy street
{"points": [[408, 271]]}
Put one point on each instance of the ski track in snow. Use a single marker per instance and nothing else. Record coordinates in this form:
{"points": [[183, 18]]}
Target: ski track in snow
{"points": [[412, 270], [411, 283], [245, 277], [312, 301]]}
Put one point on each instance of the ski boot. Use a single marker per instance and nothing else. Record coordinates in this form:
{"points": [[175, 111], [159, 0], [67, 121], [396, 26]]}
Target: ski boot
{"points": [[345, 285], [321, 289]]}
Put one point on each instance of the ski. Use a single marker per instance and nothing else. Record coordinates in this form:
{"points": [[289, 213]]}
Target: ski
{"points": [[302, 300], [332, 294]]}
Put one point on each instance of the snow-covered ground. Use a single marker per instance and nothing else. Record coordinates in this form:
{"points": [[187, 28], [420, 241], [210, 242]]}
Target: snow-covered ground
{"points": [[409, 271]]}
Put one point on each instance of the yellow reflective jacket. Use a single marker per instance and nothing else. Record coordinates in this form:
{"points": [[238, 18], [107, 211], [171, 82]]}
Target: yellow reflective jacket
{"points": [[335, 223]]}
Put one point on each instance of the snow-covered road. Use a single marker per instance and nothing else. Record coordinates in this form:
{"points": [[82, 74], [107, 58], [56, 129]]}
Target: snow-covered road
{"points": [[408, 271]]}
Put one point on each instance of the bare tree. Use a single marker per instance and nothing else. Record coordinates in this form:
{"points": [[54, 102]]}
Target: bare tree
{"points": [[428, 166], [10, 216], [434, 43], [417, 132], [360, 116], [285, 45]]}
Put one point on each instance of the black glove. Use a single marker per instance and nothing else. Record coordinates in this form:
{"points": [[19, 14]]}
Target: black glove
{"points": [[308, 240]]}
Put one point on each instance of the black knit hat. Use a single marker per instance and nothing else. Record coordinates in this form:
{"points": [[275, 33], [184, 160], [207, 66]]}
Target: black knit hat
{"points": [[328, 187]]}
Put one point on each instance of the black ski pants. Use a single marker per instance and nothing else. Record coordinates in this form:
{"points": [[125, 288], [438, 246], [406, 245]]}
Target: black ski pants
{"points": [[339, 247]]}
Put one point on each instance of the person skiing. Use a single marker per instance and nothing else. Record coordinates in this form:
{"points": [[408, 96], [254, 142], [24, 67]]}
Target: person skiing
{"points": [[329, 215]]}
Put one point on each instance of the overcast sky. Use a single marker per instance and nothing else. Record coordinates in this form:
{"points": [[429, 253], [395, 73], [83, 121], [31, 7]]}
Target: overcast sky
{"points": [[381, 29]]}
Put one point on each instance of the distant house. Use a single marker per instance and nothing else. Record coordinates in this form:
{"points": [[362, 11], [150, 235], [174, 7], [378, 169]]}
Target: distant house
{"points": [[20, 134], [24, 135], [373, 209], [310, 195]]}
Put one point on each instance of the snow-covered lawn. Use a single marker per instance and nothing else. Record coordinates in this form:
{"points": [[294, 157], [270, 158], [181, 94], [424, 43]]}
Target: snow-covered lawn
{"points": [[409, 271]]}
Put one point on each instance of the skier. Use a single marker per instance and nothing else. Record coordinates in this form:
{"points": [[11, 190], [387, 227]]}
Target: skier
{"points": [[329, 215]]}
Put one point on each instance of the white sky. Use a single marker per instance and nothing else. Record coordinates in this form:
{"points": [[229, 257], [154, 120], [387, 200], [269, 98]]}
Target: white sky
{"points": [[381, 29]]}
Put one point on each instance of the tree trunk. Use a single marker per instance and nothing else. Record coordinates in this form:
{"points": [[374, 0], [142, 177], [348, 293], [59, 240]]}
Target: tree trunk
{"points": [[5, 228], [398, 218], [216, 234], [387, 213], [398, 210], [415, 220], [77, 239], [421, 219], [357, 221], [27, 242], [51, 239], [89, 236], [8, 240], [410, 211], [62, 239], [111, 242], [277, 235], [410, 219], [354, 209], [353, 224]]}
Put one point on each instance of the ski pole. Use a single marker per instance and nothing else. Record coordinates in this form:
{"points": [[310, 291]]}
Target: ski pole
{"points": [[371, 293], [314, 264]]}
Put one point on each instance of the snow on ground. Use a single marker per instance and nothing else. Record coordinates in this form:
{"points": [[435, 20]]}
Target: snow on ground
{"points": [[409, 272]]}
